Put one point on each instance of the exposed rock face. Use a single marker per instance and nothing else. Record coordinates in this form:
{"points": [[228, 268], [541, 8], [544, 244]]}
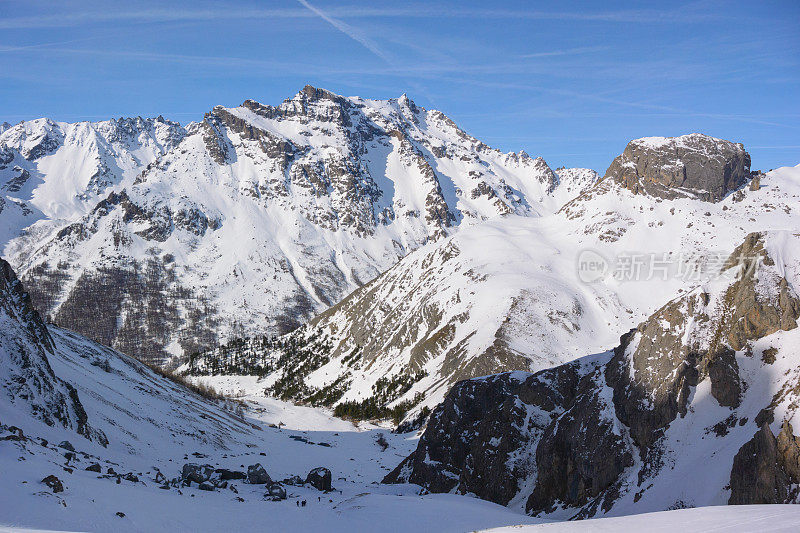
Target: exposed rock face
{"points": [[503, 415], [765, 468], [26, 378], [789, 451], [690, 165], [582, 437], [582, 454], [439, 460]]}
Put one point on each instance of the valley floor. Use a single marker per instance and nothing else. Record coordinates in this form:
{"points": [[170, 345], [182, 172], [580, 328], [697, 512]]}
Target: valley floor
{"points": [[306, 438], [359, 503]]}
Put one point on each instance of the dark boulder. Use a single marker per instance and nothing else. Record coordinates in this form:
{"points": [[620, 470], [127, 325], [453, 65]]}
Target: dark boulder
{"points": [[94, 467], [54, 483], [205, 485], [256, 475], [320, 478], [66, 445], [227, 475], [196, 473], [276, 492]]}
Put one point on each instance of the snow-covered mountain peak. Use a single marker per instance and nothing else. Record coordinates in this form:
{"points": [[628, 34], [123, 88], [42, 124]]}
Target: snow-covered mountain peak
{"points": [[304, 201]]}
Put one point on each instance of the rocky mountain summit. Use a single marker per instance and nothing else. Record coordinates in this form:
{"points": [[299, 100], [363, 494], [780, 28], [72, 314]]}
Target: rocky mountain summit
{"points": [[161, 240], [690, 165], [636, 425]]}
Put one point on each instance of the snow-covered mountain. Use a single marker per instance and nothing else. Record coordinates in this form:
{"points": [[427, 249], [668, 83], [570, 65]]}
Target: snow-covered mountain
{"points": [[160, 240], [696, 406], [55, 171], [508, 294], [282, 210]]}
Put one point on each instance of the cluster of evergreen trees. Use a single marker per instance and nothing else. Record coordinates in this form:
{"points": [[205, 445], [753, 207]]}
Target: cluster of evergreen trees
{"points": [[259, 356], [294, 357], [384, 392]]}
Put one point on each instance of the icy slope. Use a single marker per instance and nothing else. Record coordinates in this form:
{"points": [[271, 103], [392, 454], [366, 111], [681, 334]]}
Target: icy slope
{"points": [[154, 425], [255, 219]]}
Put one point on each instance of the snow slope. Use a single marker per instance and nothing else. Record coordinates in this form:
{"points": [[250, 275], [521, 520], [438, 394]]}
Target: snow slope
{"points": [[153, 426], [767, 518]]}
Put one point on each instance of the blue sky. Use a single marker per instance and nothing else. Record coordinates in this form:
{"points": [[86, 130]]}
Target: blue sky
{"points": [[571, 81]]}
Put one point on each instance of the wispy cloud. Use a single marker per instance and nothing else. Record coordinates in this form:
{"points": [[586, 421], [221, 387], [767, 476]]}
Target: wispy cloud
{"points": [[565, 52], [347, 30], [650, 109], [73, 18]]}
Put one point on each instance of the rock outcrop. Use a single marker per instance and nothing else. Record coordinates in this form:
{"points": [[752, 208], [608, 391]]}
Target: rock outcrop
{"points": [[766, 469], [257, 475], [692, 165]]}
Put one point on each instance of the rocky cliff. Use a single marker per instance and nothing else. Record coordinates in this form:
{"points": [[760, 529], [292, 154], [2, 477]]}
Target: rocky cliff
{"points": [[654, 423], [27, 382]]}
